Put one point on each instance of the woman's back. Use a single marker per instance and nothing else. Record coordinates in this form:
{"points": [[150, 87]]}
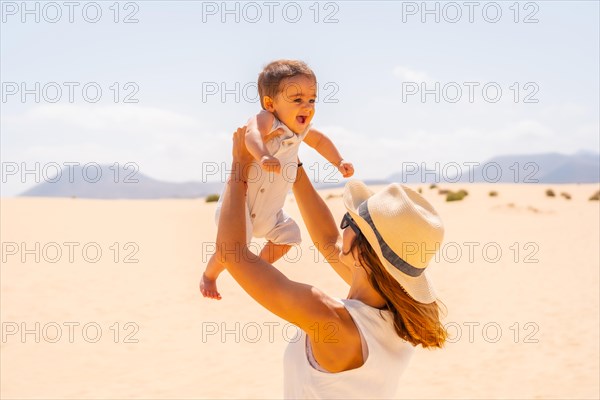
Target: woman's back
{"points": [[388, 356]]}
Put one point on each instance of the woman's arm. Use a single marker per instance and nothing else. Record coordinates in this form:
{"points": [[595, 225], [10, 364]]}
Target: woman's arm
{"points": [[298, 303], [320, 224]]}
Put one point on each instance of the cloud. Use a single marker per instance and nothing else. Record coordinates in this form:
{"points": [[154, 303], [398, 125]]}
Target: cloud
{"points": [[410, 75], [175, 146], [125, 118], [164, 144], [527, 129]]}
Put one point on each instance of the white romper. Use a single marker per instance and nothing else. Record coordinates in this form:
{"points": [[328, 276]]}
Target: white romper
{"points": [[387, 357], [267, 192]]}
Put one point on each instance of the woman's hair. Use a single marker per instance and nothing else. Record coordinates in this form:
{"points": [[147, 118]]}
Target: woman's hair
{"points": [[415, 322], [269, 80]]}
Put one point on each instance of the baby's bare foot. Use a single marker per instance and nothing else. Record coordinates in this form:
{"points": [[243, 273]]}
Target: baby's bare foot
{"points": [[208, 288]]}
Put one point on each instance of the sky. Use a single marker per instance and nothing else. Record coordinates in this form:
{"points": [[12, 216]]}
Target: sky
{"points": [[166, 83]]}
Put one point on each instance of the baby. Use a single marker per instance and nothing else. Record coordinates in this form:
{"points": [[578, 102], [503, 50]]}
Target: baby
{"points": [[287, 91]]}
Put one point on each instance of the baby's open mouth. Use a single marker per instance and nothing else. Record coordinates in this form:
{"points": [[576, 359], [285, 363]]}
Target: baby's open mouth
{"points": [[301, 119]]}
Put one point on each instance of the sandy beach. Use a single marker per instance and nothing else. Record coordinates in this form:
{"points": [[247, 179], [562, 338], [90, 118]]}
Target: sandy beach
{"points": [[100, 299]]}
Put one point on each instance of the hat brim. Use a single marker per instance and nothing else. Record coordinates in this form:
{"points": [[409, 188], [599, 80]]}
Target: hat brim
{"points": [[420, 288]]}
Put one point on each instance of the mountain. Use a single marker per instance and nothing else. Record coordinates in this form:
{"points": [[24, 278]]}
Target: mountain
{"points": [[581, 167], [107, 182], [342, 183], [584, 169]]}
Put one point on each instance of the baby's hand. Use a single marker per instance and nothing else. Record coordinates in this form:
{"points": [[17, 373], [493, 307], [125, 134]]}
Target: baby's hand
{"points": [[270, 164], [346, 169]]}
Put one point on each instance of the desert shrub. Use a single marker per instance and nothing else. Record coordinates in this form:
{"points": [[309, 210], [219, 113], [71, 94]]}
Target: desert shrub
{"points": [[420, 190], [493, 193], [432, 186], [550, 193], [455, 196], [566, 195], [443, 191], [596, 196], [212, 197], [463, 192]]}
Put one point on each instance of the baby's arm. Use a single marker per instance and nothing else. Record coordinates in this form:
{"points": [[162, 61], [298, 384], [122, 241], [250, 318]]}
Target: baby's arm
{"points": [[325, 147], [257, 130]]}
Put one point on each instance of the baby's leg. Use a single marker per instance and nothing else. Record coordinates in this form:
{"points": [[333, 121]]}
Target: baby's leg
{"points": [[208, 284], [286, 231], [273, 252]]}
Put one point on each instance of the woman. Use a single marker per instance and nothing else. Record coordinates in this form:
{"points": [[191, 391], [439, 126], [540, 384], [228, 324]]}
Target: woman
{"points": [[359, 346]]}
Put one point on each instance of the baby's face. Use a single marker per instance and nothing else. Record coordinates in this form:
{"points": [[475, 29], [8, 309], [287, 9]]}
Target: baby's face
{"points": [[294, 105]]}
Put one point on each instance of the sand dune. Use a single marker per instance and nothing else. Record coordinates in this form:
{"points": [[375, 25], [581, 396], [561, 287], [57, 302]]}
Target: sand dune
{"points": [[115, 296]]}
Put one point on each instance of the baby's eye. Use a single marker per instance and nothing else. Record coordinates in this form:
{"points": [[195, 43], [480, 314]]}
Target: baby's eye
{"points": [[311, 101], [297, 100]]}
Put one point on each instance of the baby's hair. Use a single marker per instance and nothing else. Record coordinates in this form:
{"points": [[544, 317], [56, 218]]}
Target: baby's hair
{"points": [[270, 78]]}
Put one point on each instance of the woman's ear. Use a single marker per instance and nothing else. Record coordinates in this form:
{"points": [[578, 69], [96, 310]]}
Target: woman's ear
{"points": [[268, 103], [356, 255], [356, 251]]}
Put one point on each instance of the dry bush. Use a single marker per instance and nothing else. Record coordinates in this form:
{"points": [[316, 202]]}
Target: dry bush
{"points": [[456, 196], [212, 197]]}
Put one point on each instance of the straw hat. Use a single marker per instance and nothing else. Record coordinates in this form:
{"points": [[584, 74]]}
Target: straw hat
{"points": [[404, 230]]}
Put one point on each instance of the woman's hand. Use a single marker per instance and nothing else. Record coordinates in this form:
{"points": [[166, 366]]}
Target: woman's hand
{"points": [[241, 156], [240, 152]]}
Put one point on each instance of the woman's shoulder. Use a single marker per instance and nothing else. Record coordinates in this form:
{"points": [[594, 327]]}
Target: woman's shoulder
{"points": [[377, 325], [336, 343], [339, 313], [364, 308], [337, 346], [350, 309]]}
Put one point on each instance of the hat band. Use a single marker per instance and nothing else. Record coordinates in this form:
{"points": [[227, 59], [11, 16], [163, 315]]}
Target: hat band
{"points": [[387, 252]]}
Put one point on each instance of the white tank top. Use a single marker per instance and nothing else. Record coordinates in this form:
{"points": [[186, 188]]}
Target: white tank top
{"points": [[388, 357]]}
